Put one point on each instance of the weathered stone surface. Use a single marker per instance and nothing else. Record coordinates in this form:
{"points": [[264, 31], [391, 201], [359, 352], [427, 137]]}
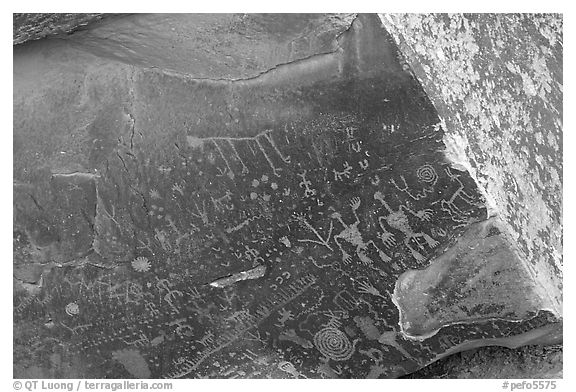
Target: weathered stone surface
{"points": [[215, 46], [496, 81], [29, 27], [293, 217]]}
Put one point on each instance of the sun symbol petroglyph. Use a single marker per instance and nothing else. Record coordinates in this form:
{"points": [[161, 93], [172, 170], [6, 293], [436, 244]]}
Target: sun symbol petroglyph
{"points": [[352, 235], [141, 264], [72, 309], [398, 220], [334, 344]]}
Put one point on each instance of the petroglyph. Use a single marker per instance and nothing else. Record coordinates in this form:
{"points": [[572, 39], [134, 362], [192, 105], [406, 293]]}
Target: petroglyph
{"points": [[398, 220], [351, 234], [334, 344], [459, 194], [204, 247], [308, 191], [215, 344], [289, 368], [320, 241]]}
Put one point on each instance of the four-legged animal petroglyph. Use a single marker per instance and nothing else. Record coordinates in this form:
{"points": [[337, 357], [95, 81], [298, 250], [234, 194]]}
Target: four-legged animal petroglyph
{"points": [[449, 205], [232, 142]]}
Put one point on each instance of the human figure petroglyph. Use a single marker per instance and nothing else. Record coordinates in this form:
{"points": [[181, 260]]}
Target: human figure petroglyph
{"points": [[351, 234], [344, 173], [305, 183], [398, 220]]}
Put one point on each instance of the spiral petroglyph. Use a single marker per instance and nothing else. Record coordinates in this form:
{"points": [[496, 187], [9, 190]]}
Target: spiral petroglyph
{"points": [[427, 174], [72, 309], [333, 344]]}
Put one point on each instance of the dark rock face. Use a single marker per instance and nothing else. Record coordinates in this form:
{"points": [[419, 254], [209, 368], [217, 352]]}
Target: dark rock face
{"points": [[280, 220]]}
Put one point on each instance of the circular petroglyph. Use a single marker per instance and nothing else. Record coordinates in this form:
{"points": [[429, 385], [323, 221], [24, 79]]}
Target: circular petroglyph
{"points": [[141, 264], [333, 344], [72, 309], [427, 174]]}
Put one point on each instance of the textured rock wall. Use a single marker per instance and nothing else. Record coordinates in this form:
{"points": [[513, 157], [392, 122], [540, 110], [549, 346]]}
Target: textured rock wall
{"points": [[29, 27], [298, 215], [496, 81]]}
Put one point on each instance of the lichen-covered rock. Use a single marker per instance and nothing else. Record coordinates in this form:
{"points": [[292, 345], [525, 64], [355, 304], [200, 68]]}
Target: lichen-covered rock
{"points": [[248, 220], [496, 81]]}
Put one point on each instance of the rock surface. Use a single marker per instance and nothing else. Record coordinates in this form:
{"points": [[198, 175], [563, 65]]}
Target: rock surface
{"points": [[496, 81], [249, 196], [527, 362], [29, 27]]}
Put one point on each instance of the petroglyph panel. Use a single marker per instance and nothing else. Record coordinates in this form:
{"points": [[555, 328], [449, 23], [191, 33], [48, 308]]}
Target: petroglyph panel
{"points": [[249, 229]]}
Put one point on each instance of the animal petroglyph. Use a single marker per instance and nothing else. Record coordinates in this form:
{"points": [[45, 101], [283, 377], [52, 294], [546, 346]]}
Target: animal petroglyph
{"points": [[449, 205], [232, 142]]}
